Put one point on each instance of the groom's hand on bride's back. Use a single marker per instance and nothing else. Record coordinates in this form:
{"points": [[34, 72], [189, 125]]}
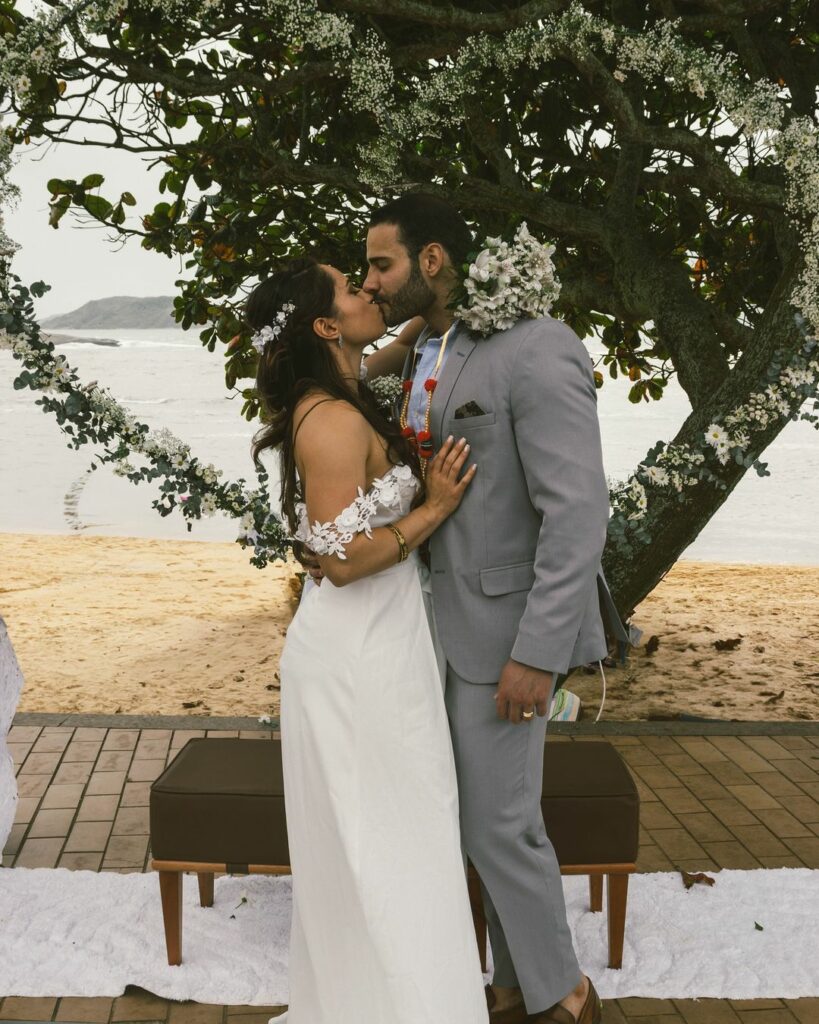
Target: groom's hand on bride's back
{"points": [[309, 562]]}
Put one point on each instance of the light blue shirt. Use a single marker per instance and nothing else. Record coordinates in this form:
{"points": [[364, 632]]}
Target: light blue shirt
{"points": [[429, 349]]}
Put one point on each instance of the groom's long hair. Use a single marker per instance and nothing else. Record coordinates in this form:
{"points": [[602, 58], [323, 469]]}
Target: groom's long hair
{"points": [[297, 361]]}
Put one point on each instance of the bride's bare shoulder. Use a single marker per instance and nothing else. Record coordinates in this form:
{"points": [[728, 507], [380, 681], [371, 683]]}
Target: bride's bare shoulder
{"points": [[323, 422]]}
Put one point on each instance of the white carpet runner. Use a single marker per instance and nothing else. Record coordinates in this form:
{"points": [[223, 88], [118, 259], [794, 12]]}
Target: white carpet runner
{"points": [[80, 933]]}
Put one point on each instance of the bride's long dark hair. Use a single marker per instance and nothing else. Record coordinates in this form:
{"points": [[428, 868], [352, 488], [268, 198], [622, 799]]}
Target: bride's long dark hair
{"points": [[297, 362]]}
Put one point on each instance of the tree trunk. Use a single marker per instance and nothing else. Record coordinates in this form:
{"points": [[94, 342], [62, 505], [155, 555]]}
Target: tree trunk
{"points": [[673, 524]]}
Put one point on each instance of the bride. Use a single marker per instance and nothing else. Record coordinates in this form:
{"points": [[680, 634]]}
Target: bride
{"points": [[381, 930]]}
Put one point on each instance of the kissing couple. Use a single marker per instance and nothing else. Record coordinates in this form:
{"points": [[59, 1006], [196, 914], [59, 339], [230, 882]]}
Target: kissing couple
{"points": [[454, 542]]}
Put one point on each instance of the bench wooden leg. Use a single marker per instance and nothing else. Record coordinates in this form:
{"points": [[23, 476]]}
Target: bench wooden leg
{"points": [[170, 888], [205, 888], [595, 892], [617, 886], [478, 916]]}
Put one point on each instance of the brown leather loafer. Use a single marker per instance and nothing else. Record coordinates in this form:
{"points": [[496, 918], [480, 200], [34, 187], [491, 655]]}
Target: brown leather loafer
{"points": [[591, 1013], [512, 1015]]}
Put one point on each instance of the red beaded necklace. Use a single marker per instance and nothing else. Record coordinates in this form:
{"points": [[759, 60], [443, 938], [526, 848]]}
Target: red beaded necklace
{"points": [[422, 441]]}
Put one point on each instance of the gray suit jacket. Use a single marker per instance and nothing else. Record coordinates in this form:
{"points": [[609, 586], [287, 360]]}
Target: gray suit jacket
{"points": [[516, 569]]}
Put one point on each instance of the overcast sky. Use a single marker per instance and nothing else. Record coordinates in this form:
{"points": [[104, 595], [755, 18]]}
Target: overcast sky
{"points": [[80, 263]]}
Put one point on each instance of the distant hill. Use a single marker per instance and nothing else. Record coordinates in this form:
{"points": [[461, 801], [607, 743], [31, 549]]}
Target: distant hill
{"points": [[127, 311]]}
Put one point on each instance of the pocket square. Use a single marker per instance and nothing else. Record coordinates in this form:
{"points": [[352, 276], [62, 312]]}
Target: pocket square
{"points": [[469, 409]]}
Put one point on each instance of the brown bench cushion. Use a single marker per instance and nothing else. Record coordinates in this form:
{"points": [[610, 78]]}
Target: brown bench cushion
{"points": [[222, 801], [590, 803]]}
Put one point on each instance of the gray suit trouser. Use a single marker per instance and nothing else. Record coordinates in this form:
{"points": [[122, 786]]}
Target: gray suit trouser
{"points": [[500, 779]]}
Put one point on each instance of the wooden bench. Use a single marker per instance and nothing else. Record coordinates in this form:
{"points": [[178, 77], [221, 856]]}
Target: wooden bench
{"points": [[219, 808]]}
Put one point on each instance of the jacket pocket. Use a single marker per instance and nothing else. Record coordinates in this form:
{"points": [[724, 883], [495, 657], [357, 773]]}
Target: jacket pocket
{"points": [[505, 579], [466, 422]]}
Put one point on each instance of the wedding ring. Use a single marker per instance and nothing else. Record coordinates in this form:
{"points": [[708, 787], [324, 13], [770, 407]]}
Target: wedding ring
{"points": [[528, 714]]}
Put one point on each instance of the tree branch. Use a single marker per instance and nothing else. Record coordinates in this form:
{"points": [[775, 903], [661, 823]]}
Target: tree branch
{"points": [[563, 218], [484, 134], [634, 128], [449, 16], [684, 320]]}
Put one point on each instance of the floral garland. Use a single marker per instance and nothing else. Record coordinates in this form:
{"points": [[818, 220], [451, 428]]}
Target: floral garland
{"points": [[89, 413], [680, 466]]}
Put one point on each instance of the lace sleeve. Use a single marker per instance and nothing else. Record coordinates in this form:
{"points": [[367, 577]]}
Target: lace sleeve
{"points": [[330, 538]]}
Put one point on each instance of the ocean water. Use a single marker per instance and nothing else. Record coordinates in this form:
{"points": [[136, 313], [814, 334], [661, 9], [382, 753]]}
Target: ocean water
{"points": [[167, 379]]}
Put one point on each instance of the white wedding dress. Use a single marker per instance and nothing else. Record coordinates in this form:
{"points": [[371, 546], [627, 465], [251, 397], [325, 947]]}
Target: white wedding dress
{"points": [[381, 931]]}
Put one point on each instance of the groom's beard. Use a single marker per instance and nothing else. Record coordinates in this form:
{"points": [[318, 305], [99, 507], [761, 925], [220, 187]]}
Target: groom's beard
{"points": [[412, 299]]}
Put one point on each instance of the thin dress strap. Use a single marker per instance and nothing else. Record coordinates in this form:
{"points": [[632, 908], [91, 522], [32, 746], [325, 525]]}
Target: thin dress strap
{"points": [[304, 417]]}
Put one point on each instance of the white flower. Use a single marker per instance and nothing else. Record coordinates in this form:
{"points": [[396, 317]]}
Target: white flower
{"points": [[261, 338], [716, 436], [656, 475], [723, 454], [481, 268]]}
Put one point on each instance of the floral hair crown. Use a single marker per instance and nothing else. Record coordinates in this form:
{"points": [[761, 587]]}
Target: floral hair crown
{"points": [[271, 331]]}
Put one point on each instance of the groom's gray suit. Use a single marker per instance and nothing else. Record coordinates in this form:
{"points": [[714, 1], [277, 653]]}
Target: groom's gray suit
{"points": [[516, 574]]}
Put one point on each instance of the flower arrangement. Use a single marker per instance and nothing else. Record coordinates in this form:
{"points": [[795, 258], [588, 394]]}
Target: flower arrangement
{"points": [[507, 282], [387, 390]]}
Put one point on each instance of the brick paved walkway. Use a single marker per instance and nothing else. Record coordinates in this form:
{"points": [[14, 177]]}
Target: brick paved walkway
{"points": [[707, 802]]}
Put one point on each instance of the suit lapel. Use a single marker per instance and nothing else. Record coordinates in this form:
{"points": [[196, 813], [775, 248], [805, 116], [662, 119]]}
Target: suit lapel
{"points": [[460, 348]]}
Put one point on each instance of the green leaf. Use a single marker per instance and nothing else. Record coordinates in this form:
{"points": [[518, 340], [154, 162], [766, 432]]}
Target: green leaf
{"points": [[92, 180], [636, 392], [73, 404], [758, 926], [128, 199], [97, 206], [57, 187]]}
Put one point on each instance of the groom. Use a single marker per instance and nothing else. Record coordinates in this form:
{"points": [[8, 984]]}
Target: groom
{"points": [[518, 591]]}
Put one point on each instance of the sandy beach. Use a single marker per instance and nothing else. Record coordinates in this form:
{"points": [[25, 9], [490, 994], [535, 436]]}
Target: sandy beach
{"points": [[136, 626]]}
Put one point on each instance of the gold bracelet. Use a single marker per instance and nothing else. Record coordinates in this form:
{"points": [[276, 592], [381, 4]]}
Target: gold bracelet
{"points": [[402, 543]]}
